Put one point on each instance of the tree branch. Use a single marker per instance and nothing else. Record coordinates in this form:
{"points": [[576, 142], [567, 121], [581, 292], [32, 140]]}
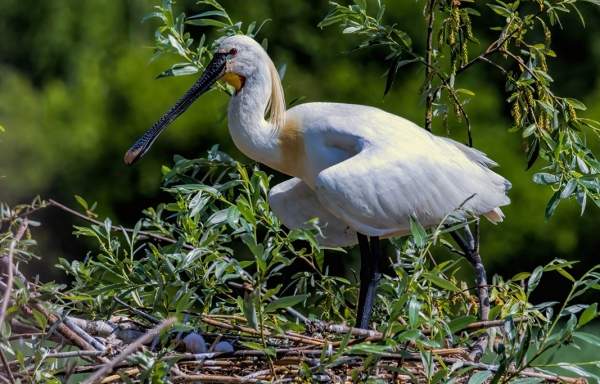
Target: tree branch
{"points": [[10, 271], [63, 207], [429, 65]]}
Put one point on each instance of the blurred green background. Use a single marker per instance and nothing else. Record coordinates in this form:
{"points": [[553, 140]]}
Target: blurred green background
{"points": [[77, 88]]}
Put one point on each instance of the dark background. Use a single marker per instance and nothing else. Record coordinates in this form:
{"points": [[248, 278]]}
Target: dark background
{"points": [[77, 88]]}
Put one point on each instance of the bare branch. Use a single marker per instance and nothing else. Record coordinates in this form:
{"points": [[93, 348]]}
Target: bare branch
{"points": [[8, 290], [10, 272]]}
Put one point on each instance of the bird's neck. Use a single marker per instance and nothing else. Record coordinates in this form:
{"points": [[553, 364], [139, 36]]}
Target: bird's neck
{"points": [[256, 137]]}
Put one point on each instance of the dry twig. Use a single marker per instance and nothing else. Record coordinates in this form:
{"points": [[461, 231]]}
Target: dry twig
{"points": [[131, 348]]}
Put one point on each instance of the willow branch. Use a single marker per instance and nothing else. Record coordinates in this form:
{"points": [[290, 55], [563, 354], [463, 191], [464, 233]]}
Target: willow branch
{"points": [[6, 364], [73, 212], [10, 271], [429, 66]]}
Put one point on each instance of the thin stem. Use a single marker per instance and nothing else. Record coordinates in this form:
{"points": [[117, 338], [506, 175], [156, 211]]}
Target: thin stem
{"points": [[63, 207], [10, 272], [429, 66], [11, 377]]}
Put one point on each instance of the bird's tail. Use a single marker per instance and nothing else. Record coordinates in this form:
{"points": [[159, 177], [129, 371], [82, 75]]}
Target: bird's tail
{"points": [[495, 216]]}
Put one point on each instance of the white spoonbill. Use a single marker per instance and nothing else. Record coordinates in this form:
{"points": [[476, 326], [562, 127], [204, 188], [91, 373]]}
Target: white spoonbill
{"points": [[362, 171]]}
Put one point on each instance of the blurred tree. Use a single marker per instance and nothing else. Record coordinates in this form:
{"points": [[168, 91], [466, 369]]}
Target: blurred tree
{"points": [[76, 88]]}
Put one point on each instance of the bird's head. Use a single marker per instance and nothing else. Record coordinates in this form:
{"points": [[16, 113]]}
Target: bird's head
{"points": [[244, 59], [236, 59]]}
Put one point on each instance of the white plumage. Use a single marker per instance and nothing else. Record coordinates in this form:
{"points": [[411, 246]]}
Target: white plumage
{"points": [[357, 168], [372, 170]]}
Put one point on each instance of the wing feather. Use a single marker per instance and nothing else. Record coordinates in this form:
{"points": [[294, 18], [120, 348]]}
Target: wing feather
{"points": [[377, 190], [294, 203]]}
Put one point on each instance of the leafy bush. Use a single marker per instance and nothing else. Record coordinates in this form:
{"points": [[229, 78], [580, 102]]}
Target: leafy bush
{"points": [[216, 259]]}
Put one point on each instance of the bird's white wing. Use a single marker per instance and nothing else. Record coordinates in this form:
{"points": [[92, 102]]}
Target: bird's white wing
{"points": [[294, 203], [377, 190]]}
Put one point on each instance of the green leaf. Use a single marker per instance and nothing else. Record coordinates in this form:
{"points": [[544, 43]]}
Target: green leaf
{"points": [[534, 279], [418, 232], [179, 70], [414, 306], [393, 71], [250, 311], [588, 338], [590, 313], [207, 23], [568, 189], [480, 377], [352, 29], [461, 323], [565, 274], [500, 10], [545, 178], [81, 201], [533, 153], [207, 14], [175, 44], [576, 104], [529, 130], [464, 91], [441, 282], [371, 349], [552, 204], [410, 335], [285, 302], [520, 276]]}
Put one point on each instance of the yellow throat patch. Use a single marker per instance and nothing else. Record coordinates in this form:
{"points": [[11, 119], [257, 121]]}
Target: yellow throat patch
{"points": [[235, 80]]}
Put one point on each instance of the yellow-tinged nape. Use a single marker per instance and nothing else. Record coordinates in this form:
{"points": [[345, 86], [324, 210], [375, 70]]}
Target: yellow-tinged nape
{"points": [[276, 106]]}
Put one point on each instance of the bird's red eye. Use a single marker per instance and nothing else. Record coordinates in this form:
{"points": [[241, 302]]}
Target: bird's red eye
{"points": [[232, 51]]}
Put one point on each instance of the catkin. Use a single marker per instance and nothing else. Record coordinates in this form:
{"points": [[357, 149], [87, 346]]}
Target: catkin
{"points": [[543, 64], [572, 113], [452, 37], [457, 112], [466, 20], [516, 112], [455, 18], [454, 25], [529, 97]]}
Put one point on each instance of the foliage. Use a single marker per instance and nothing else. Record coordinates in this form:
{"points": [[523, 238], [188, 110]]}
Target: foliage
{"points": [[549, 124], [171, 36], [216, 201], [215, 249]]}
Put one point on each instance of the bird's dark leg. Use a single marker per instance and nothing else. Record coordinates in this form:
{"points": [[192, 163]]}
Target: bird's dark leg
{"points": [[470, 246], [370, 274]]}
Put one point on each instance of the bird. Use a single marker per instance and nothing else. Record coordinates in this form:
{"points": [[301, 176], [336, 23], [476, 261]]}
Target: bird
{"points": [[363, 172]]}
